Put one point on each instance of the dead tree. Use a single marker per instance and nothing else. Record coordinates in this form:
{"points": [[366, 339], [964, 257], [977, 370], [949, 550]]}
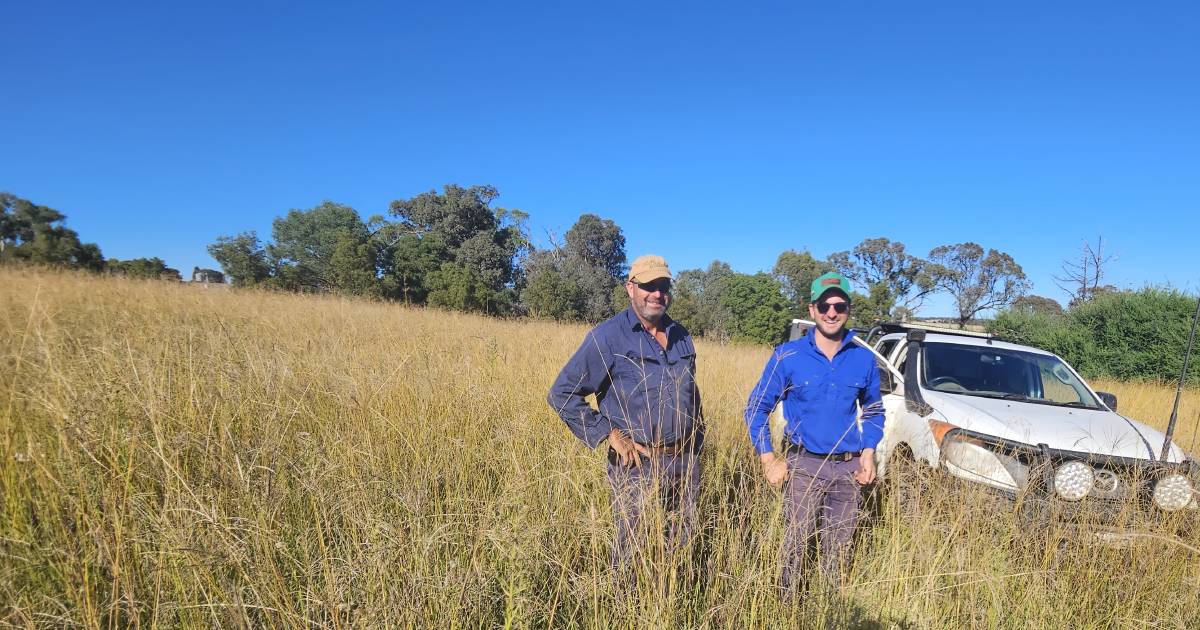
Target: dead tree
{"points": [[1082, 279]]}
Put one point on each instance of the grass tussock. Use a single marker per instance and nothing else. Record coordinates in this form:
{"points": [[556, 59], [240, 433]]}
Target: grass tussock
{"points": [[171, 456]]}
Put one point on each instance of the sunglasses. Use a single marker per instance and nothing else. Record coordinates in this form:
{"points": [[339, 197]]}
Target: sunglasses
{"points": [[839, 307], [657, 285]]}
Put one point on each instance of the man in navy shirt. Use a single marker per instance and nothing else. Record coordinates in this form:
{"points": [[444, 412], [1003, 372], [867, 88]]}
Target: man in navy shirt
{"points": [[641, 366], [822, 378]]}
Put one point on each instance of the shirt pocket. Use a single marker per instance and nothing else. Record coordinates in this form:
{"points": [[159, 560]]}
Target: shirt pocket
{"points": [[848, 389], [686, 358], [682, 372], [808, 387], [634, 365]]}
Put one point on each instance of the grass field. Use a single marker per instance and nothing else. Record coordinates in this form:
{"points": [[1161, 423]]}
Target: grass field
{"points": [[179, 457]]}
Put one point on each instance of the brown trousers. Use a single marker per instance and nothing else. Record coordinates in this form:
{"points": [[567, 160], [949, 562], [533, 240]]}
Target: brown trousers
{"points": [[822, 498], [669, 481]]}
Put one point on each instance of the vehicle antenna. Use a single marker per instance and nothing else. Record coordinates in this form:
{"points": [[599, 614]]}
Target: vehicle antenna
{"points": [[1187, 356]]}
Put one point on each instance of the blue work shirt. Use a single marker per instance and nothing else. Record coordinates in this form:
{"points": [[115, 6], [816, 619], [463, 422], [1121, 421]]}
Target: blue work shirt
{"points": [[641, 388], [820, 397]]}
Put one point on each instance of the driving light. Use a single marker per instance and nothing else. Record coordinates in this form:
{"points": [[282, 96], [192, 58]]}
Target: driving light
{"points": [[1073, 480], [1172, 492]]}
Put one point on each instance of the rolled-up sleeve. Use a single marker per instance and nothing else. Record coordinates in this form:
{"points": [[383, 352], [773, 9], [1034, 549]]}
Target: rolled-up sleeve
{"points": [[762, 401], [587, 372]]}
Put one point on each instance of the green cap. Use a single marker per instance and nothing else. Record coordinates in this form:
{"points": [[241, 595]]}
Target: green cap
{"points": [[831, 280]]}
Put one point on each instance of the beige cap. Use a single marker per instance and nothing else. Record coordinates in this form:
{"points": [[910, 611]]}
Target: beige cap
{"points": [[649, 267]]}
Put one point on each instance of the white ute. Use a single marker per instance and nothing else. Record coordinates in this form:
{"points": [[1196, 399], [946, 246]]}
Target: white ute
{"points": [[1016, 419]]}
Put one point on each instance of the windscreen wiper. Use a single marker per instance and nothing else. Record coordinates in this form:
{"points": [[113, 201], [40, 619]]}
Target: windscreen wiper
{"points": [[997, 395]]}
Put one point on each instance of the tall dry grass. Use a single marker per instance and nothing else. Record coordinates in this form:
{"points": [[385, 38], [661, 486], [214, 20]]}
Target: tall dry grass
{"points": [[178, 457]]}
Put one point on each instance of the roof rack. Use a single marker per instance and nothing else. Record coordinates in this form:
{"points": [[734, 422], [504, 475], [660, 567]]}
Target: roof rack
{"points": [[884, 328], [907, 326], [800, 327]]}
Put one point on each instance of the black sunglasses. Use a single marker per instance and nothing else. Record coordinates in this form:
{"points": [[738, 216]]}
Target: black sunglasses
{"points": [[840, 307], [657, 285]]}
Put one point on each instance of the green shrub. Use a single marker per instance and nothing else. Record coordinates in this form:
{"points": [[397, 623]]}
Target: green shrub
{"points": [[760, 314], [1124, 335]]}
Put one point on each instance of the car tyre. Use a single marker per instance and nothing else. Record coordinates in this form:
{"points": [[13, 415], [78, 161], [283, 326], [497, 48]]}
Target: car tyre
{"points": [[908, 482]]}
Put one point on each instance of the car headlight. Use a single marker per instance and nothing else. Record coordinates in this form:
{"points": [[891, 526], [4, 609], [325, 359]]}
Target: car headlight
{"points": [[1172, 492], [973, 459], [1073, 480]]}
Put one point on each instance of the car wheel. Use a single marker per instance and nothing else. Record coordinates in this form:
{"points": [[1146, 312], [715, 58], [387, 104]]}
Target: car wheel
{"points": [[908, 482]]}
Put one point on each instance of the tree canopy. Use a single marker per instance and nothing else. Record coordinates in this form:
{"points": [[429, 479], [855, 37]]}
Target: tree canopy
{"points": [[146, 268], [581, 279], [887, 274], [243, 259], [304, 253], [795, 272], [37, 234], [977, 280], [698, 300], [1037, 305], [458, 226], [758, 311]]}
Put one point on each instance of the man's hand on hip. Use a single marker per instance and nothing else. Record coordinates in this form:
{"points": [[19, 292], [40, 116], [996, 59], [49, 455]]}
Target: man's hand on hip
{"points": [[628, 452], [866, 467], [775, 469]]}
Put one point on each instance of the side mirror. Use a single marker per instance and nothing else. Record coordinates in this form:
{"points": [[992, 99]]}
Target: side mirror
{"points": [[1109, 399], [887, 384]]}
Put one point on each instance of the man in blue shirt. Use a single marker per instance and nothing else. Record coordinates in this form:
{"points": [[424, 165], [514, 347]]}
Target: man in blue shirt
{"points": [[641, 366], [822, 379]]}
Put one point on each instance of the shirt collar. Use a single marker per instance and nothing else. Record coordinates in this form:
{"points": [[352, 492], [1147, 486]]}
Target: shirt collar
{"points": [[811, 338]]}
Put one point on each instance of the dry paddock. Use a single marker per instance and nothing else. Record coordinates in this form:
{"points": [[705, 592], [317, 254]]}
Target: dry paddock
{"points": [[174, 457]]}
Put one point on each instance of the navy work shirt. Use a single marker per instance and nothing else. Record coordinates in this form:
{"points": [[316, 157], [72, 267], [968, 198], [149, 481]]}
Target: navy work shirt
{"points": [[642, 389], [820, 397]]}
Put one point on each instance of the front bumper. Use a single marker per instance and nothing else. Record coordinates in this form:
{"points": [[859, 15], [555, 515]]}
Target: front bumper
{"points": [[1026, 473]]}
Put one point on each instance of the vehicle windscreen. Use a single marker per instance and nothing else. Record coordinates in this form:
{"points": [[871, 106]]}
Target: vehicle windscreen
{"points": [[1000, 373]]}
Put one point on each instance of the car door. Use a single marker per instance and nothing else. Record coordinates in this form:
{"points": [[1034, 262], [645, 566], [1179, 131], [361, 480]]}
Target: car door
{"points": [[907, 427], [893, 401]]}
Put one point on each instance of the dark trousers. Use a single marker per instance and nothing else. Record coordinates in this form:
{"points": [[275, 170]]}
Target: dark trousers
{"points": [[669, 481], [820, 498]]}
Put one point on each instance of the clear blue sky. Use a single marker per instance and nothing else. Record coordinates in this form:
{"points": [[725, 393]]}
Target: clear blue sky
{"points": [[733, 131]]}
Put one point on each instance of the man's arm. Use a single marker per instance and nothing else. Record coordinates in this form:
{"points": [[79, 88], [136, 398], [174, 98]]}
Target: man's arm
{"points": [[763, 399], [872, 409], [872, 425], [698, 409], [587, 372]]}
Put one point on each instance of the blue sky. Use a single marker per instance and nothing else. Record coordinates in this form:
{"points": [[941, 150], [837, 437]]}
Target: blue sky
{"points": [[704, 131]]}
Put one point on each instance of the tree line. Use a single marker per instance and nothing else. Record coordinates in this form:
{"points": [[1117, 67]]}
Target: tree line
{"points": [[37, 234], [455, 249]]}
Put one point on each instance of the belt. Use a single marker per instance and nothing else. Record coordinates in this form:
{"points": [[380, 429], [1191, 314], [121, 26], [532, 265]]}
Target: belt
{"points": [[655, 450], [844, 456], [658, 450]]}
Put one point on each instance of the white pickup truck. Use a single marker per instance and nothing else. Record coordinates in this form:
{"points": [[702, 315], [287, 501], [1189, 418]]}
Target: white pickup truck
{"points": [[1016, 419]]}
